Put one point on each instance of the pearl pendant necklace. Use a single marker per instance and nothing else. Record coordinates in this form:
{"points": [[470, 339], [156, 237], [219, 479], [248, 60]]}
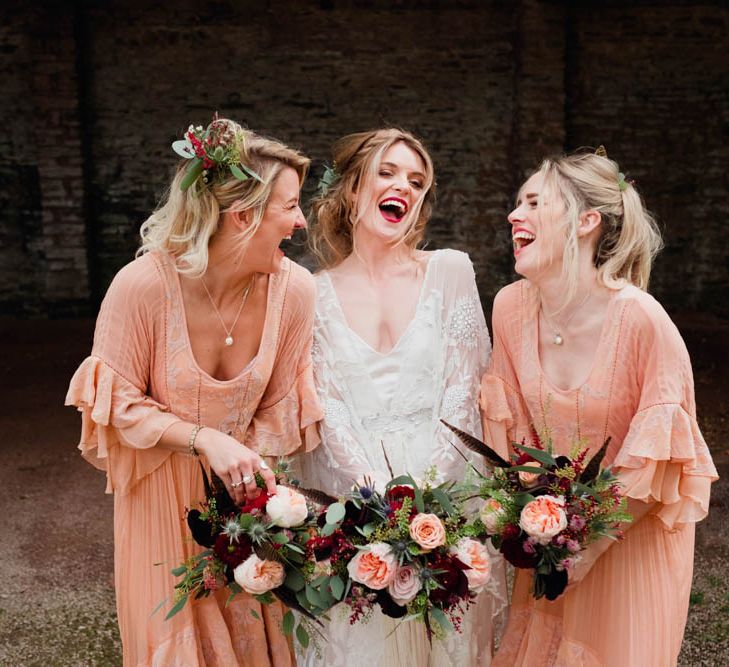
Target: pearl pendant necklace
{"points": [[229, 332], [557, 338]]}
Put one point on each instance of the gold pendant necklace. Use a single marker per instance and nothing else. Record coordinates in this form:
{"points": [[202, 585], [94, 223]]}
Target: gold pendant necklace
{"points": [[229, 332]]}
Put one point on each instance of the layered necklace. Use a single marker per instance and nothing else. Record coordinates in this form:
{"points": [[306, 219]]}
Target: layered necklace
{"points": [[557, 337], [229, 331]]}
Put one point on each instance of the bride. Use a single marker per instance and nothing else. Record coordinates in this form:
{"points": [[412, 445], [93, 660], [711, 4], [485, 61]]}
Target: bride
{"points": [[400, 341]]}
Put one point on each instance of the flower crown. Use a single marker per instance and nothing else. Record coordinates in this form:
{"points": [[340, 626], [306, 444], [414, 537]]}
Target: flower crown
{"points": [[213, 151]]}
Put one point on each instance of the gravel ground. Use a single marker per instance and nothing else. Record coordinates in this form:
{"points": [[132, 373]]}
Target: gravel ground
{"points": [[56, 592]]}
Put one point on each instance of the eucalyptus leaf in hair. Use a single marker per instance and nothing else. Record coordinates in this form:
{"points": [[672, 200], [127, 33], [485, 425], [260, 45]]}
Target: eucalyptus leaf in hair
{"points": [[327, 179]]}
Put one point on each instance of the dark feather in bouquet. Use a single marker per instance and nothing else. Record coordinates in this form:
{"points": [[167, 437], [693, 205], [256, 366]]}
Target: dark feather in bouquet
{"points": [[475, 445]]}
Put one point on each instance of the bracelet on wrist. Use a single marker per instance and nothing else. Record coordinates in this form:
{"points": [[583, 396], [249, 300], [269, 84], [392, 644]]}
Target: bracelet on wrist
{"points": [[191, 442]]}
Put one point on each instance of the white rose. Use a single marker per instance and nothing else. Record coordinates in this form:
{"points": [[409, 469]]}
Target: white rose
{"points": [[256, 576], [287, 508]]}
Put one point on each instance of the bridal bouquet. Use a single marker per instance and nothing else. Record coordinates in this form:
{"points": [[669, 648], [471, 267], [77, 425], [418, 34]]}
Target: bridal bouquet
{"points": [[259, 548], [542, 510], [409, 550]]}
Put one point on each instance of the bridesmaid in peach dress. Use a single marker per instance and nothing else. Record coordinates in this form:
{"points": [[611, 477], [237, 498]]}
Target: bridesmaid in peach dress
{"points": [[583, 352], [202, 348]]}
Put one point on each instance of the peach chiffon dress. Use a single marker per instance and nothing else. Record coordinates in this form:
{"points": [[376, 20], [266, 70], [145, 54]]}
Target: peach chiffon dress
{"points": [[630, 610], [141, 377]]}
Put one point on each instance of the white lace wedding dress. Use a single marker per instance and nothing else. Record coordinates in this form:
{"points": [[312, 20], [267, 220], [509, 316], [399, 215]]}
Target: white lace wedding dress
{"points": [[394, 401]]}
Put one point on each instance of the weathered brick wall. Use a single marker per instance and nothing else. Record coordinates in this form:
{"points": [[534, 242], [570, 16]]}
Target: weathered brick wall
{"points": [[652, 84], [491, 86]]}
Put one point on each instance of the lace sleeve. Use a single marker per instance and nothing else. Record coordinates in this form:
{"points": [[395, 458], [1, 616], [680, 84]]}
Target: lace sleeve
{"points": [[466, 351]]}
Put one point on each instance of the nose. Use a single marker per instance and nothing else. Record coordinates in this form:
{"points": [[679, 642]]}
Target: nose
{"points": [[300, 222], [516, 216], [401, 185]]}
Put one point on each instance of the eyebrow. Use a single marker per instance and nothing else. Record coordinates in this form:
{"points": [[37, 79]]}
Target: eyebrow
{"points": [[395, 166]]}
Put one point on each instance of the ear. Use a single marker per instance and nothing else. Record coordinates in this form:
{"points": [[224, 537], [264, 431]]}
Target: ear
{"points": [[241, 219], [589, 221]]}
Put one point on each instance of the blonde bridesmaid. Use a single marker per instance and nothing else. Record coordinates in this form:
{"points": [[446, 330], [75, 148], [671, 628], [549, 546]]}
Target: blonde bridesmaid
{"points": [[202, 348], [583, 352]]}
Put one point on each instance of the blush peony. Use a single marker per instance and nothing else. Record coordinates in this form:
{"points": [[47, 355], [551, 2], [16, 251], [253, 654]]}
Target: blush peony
{"points": [[543, 518], [374, 567], [404, 585], [287, 508], [256, 576], [476, 556], [427, 531]]}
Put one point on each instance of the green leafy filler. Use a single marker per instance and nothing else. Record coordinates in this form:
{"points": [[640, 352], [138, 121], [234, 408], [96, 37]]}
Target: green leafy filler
{"points": [[213, 151]]}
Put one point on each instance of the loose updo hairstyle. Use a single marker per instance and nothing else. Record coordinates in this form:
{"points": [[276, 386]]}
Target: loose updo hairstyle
{"points": [[186, 220], [629, 237], [334, 215]]}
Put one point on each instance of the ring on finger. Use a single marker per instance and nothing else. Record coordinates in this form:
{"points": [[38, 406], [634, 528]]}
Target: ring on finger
{"points": [[263, 465], [247, 479], [235, 485]]}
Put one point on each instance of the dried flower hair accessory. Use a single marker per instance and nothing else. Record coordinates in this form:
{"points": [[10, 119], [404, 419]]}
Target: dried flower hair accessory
{"points": [[622, 181], [212, 151]]}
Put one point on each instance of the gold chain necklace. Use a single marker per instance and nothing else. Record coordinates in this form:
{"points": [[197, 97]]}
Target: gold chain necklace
{"points": [[557, 338], [229, 332]]}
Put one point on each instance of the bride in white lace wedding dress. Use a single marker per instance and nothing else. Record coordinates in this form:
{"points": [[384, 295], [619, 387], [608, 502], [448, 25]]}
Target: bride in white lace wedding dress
{"points": [[400, 342]]}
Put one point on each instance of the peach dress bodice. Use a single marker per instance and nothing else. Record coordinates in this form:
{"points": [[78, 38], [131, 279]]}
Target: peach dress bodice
{"points": [[631, 607], [142, 377]]}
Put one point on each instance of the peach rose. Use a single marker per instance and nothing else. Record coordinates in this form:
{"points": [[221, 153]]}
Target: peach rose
{"points": [[427, 531], [374, 567], [476, 556], [543, 518], [404, 585], [256, 576], [287, 508], [529, 478], [491, 515]]}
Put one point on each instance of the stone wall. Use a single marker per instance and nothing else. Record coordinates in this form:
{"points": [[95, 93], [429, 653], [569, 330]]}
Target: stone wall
{"points": [[98, 93]]}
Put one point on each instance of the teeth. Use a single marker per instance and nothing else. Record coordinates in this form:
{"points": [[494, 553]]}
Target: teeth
{"points": [[524, 235], [393, 202]]}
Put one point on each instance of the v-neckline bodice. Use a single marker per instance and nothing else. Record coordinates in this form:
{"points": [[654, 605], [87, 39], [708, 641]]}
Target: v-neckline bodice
{"points": [[357, 337]]}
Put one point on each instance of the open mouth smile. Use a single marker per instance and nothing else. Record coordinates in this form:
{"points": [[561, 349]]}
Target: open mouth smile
{"points": [[393, 209], [521, 238]]}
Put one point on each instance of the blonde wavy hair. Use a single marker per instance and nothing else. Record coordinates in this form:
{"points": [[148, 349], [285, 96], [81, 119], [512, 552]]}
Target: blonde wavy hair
{"points": [[334, 215], [185, 221], [629, 237]]}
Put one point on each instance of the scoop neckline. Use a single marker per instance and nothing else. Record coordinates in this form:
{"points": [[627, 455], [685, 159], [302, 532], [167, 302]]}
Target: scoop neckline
{"points": [[253, 361]]}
